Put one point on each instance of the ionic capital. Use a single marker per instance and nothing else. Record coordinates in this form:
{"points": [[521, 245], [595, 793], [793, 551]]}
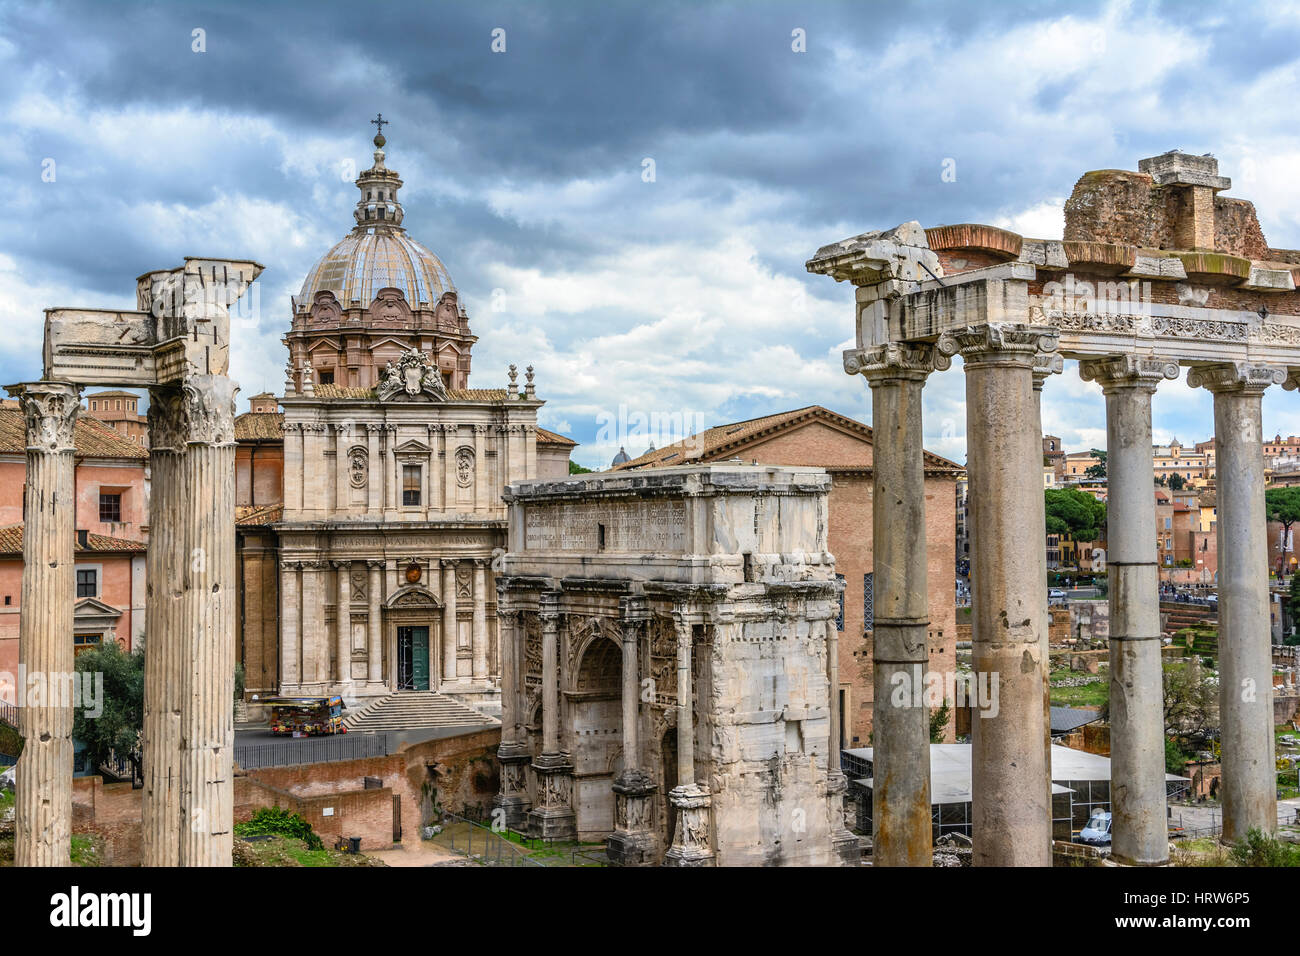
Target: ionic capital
{"points": [[1046, 364], [1236, 377], [1128, 371], [375, 565], [50, 409], [894, 361], [993, 341], [209, 410]]}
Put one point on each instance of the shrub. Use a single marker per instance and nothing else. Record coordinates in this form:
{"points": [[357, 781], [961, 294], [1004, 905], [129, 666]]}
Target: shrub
{"points": [[1262, 849], [281, 822]]}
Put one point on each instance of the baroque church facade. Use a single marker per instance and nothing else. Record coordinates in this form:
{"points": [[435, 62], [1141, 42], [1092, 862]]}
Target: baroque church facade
{"points": [[369, 508]]}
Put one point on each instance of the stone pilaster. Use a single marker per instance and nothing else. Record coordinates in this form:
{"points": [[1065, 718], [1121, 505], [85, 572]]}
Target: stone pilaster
{"points": [[163, 661], [290, 626], [633, 840], [1245, 655], [375, 623], [343, 626], [553, 816], [1140, 829], [449, 628], [1010, 809], [480, 634], [43, 812], [692, 838], [900, 800], [512, 801], [207, 623]]}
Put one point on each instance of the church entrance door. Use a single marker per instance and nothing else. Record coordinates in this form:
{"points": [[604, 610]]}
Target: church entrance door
{"points": [[412, 658]]}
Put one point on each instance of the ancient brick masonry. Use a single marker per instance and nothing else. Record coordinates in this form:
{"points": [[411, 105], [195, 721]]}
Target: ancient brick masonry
{"points": [[1155, 271]]}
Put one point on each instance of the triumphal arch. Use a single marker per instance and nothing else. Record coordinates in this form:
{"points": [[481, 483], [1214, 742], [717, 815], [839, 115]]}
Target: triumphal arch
{"points": [[176, 344], [1156, 271]]}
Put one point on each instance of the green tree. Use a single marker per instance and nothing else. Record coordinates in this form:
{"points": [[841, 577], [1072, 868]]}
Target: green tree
{"points": [[1191, 697], [577, 469], [1074, 514], [1098, 470], [939, 721], [1177, 482], [116, 728], [1283, 506]]}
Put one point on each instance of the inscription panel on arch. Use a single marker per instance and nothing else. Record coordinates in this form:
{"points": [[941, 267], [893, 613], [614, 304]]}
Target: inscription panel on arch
{"points": [[656, 526]]}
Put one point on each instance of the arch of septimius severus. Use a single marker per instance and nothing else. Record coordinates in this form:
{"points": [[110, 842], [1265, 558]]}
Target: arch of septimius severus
{"points": [[1156, 271], [176, 344]]}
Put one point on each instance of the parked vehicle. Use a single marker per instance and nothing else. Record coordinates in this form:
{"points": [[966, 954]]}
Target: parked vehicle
{"points": [[1055, 596], [306, 716], [1097, 830]]}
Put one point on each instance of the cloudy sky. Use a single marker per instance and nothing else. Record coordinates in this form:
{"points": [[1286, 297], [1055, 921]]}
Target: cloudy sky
{"points": [[683, 297]]}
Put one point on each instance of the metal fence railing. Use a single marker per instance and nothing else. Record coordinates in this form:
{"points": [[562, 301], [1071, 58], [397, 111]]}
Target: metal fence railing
{"points": [[481, 844], [1287, 817], [304, 750], [9, 714]]}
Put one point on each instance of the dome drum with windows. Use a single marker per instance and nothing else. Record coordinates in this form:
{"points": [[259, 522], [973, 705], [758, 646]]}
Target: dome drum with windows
{"points": [[375, 294]]}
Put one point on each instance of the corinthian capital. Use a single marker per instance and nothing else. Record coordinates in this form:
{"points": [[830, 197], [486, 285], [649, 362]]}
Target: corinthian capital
{"points": [[166, 419], [1128, 371], [50, 409], [210, 410], [895, 360], [993, 339], [1236, 377]]}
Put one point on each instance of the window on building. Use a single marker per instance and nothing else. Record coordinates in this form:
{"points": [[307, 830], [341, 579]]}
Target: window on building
{"points": [[94, 406], [327, 378], [868, 602], [110, 507], [411, 485], [839, 620], [87, 582], [86, 642], [117, 405]]}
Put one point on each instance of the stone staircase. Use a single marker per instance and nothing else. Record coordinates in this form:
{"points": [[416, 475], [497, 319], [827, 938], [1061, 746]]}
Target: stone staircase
{"points": [[414, 710], [1178, 616]]}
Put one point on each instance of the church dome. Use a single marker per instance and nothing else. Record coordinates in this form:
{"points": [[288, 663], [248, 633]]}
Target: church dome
{"points": [[377, 254]]}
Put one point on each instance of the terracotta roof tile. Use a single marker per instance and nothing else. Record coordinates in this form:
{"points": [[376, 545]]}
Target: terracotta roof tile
{"points": [[547, 437], [259, 426], [93, 438], [714, 443], [11, 542]]}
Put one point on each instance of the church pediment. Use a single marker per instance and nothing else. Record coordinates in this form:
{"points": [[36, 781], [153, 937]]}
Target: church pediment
{"points": [[412, 446], [413, 596]]}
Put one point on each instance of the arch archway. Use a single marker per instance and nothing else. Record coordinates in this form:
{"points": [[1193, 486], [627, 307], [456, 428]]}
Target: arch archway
{"points": [[596, 726]]}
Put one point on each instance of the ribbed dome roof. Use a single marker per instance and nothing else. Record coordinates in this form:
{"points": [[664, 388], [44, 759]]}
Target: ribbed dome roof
{"points": [[379, 258]]}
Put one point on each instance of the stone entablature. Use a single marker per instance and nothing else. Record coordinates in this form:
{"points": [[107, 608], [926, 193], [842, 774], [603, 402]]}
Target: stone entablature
{"points": [[707, 659]]}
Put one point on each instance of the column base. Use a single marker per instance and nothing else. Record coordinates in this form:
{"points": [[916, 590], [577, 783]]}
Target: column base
{"points": [[691, 843], [633, 842], [513, 798], [553, 818], [844, 843]]}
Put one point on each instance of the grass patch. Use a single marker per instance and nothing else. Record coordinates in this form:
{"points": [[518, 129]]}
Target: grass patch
{"points": [[277, 850]]}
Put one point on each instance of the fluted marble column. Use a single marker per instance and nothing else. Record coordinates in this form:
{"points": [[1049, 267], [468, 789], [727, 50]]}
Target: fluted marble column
{"points": [[633, 841], [512, 802], [1139, 833], [163, 660], [207, 623], [900, 798], [692, 840], [449, 627], [290, 626], [1010, 810], [1245, 654], [553, 816], [480, 636], [43, 814], [1046, 364]]}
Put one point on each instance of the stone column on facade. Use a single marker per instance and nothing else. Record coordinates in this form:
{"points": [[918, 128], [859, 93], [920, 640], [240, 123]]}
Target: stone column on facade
{"points": [[1139, 833], [43, 812], [481, 503], [512, 802], [375, 623], [449, 468], [1046, 364], [692, 841], [290, 626], [479, 629], [552, 816], [374, 470], [160, 806], [900, 797], [1245, 653], [343, 626], [449, 636], [633, 840], [342, 482], [315, 645], [393, 483], [207, 622], [1010, 810]]}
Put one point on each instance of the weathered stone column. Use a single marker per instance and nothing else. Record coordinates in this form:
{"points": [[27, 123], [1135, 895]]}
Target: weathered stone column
{"points": [[692, 841], [449, 630], [1045, 364], [512, 802], [1245, 655], [290, 620], [480, 635], [900, 800], [1140, 832], [633, 840], [163, 662], [207, 623], [343, 626], [375, 623], [43, 814], [553, 817], [1011, 813]]}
